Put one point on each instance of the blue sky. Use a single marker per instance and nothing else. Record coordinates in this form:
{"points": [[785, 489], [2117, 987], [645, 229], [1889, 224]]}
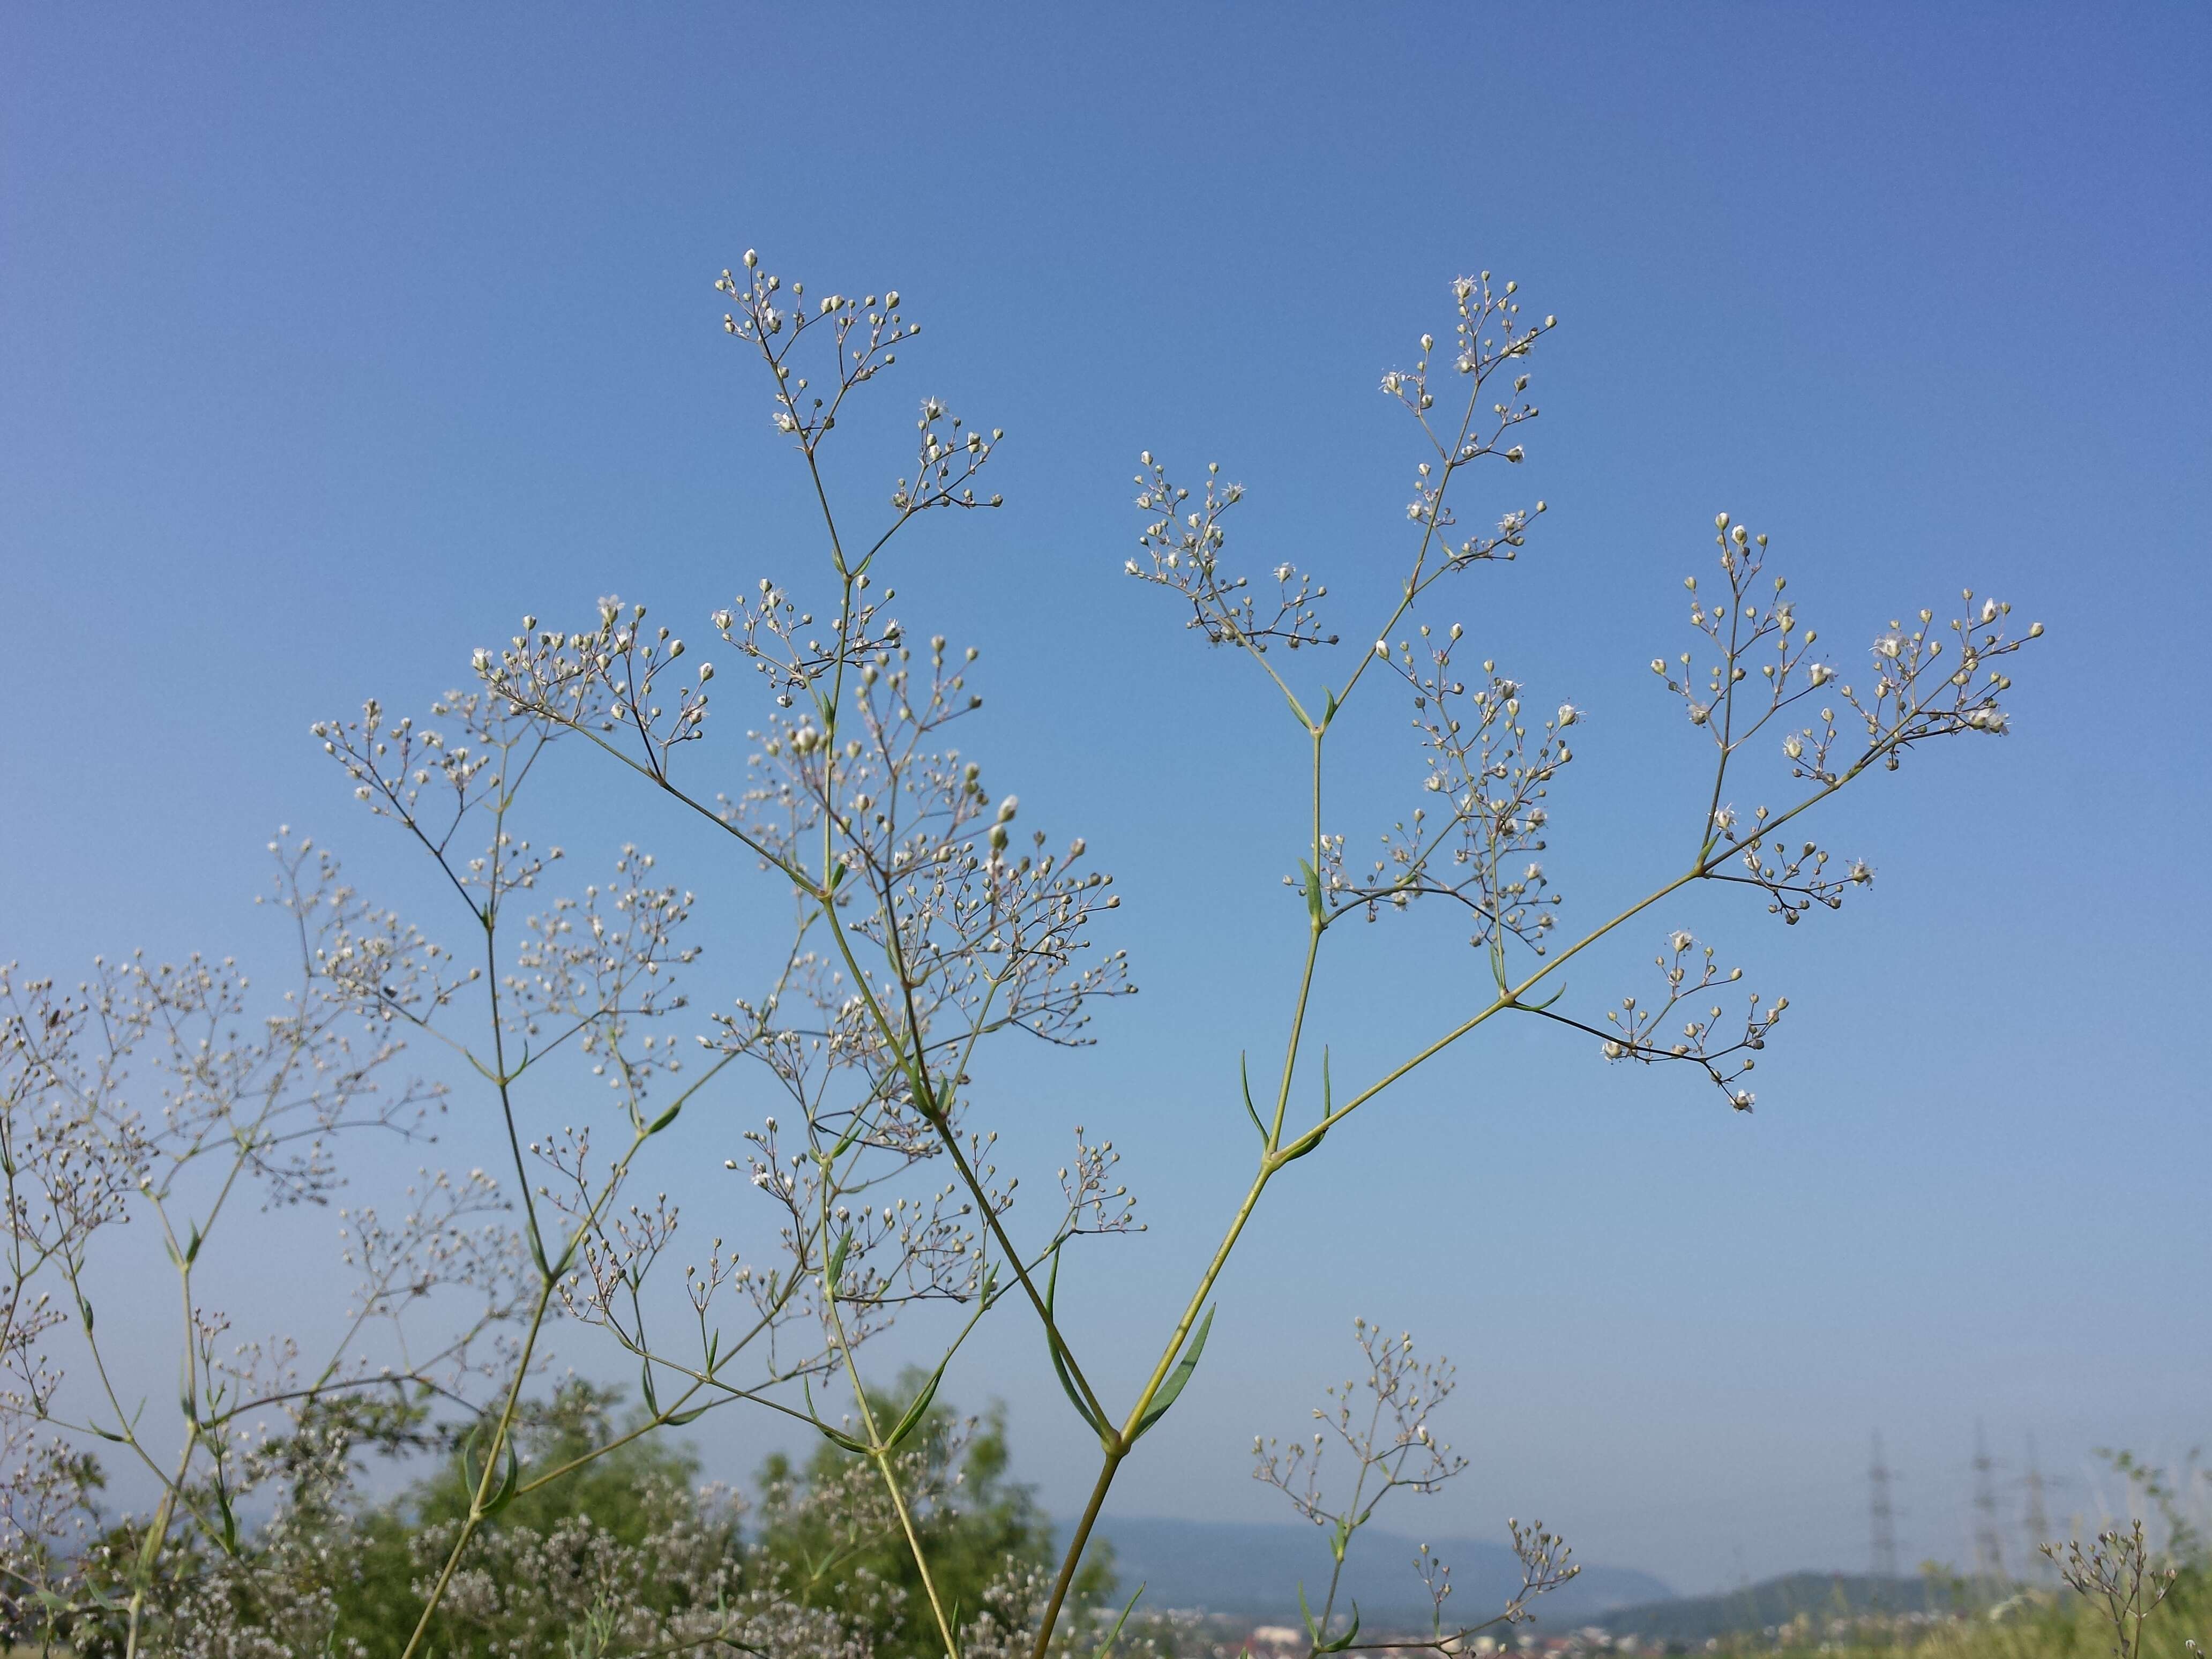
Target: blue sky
{"points": [[330, 343]]}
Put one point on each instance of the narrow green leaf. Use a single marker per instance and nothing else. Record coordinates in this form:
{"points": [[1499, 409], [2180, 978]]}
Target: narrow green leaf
{"points": [[1312, 890], [835, 1275], [229, 1539], [1345, 1640], [463, 1455], [1539, 1007], [192, 1246], [651, 1402], [664, 1120], [915, 1413], [1244, 1073], [1292, 1157], [84, 1312], [1114, 1635], [857, 1447], [1177, 1377], [1059, 1365], [853, 1446], [508, 1481], [677, 1420]]}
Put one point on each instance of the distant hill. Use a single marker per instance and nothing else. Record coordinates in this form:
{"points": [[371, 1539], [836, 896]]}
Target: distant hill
{"points": [[1254, 1569], [1820, 1596]]}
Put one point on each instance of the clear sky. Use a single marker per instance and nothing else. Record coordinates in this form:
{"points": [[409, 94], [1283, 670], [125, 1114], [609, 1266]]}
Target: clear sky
{"points": [[329, 342]]}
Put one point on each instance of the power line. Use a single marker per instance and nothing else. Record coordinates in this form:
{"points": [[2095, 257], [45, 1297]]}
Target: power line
{"points": [[1989, 1542], [2037, 1519], [1882, 1514]]}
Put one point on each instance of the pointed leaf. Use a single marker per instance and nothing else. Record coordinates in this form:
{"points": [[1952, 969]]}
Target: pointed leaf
{"points": [[1539, 1007], [1244, 1073], [915, 1413], [1059, 1365], [1114, 1635], [1177, 1377], [229, 1538], [1345, 1640], [857, 1447], [509, 1479]]}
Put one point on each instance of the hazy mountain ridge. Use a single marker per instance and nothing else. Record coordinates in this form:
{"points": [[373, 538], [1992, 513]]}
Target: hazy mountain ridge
{"points": [[1820, 1596], [1255, 1568]]}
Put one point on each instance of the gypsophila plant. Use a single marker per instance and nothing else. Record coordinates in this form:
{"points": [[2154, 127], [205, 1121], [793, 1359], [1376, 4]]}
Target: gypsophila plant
{"points": [[2120, 1577], [918, 923], [154, 1094], [1381, 1423]]}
